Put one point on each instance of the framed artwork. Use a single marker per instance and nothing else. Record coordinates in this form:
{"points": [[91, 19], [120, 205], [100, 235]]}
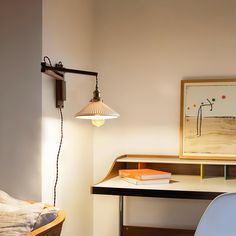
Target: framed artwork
{"points": [[208, 119]]}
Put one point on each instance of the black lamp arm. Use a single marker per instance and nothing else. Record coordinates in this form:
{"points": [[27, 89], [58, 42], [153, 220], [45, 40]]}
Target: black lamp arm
{"points": [[45, 67], [58, 72]]}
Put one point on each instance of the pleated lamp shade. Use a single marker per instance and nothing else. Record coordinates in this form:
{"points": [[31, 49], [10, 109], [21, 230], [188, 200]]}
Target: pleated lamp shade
{"points": [[97, 111]]}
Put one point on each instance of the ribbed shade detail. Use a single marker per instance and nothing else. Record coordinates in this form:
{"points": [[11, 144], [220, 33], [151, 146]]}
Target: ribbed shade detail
{"points": [[97, 110]]}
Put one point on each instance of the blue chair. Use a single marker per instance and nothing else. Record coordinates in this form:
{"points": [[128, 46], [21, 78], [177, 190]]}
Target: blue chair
{"points": [[219, 219]]}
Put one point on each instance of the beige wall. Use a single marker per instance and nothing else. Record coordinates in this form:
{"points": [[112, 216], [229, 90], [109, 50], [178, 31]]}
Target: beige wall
{"points": [[20, 93], [143, 49], [67, 35]]}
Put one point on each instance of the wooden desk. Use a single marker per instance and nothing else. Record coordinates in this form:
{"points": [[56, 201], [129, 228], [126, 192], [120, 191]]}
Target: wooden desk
{"points": [[191, 179]]}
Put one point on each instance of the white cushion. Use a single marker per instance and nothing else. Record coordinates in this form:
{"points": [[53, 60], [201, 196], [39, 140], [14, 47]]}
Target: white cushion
{"points": [[17, 217], [18, 220]]}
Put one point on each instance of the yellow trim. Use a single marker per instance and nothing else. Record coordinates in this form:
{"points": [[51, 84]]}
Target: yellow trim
{"points": [[201, 171]]}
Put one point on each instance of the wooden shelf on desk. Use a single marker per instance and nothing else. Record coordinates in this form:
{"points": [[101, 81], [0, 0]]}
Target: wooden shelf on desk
{"points": [[169, 159]]}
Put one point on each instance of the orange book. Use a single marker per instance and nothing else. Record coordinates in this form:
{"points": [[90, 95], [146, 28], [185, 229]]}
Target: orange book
{"points": [[144, 174]]}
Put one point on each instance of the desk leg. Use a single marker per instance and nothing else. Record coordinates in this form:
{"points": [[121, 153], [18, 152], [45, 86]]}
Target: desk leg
{"points": [[121, 215]]}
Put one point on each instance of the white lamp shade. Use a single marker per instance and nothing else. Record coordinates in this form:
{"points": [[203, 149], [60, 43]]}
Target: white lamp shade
{"points": [[97, 110]]}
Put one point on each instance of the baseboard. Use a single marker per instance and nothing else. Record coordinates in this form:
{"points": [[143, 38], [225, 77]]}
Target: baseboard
{"points": [[146, 231]]}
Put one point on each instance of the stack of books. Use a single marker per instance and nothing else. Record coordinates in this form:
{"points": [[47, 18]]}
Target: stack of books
{"points": [[145, 176]]}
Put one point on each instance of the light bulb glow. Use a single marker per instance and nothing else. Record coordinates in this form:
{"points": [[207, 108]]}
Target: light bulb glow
{"points": [[98, 122]]}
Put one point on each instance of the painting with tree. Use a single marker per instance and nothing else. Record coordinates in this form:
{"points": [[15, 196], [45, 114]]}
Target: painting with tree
{"points": [[208, 119]]}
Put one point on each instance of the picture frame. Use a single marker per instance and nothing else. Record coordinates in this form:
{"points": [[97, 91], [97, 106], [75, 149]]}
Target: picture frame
{"points": [[208, 119]]}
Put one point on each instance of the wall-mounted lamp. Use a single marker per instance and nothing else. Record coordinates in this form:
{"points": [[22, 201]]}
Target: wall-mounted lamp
{"points": [[96, 110]]}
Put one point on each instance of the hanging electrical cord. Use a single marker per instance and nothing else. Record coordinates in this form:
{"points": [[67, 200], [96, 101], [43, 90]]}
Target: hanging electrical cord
{"points": [[45, 59], [57, 161]]}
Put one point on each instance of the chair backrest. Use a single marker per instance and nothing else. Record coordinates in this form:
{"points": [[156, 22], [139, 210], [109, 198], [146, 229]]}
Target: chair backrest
{"points": [[219, 219]]}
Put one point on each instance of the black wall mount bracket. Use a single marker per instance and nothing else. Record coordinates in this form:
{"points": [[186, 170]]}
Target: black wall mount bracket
{"points": [[58, 71]]}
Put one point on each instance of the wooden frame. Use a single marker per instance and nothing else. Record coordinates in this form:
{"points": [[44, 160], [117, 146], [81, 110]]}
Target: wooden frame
{"points": [[51, 229], [208, 119]]}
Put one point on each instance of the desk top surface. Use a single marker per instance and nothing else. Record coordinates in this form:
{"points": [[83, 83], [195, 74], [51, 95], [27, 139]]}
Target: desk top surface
{"points": [[181, 186]]}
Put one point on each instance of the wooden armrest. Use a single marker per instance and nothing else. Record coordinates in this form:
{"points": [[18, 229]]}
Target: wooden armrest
{"points": [[52, 228]]}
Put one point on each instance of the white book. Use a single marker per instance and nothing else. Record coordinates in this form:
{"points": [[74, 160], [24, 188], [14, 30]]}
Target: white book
{"points": [[140, 182]]}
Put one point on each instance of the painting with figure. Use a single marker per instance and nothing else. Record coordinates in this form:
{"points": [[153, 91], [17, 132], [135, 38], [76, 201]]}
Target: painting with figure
{"points": [[208, 119]]}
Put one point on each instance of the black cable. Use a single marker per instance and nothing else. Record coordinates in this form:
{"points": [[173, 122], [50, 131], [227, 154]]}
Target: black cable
{"points": [[57, 161], [47, 58], [61, 139]]}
